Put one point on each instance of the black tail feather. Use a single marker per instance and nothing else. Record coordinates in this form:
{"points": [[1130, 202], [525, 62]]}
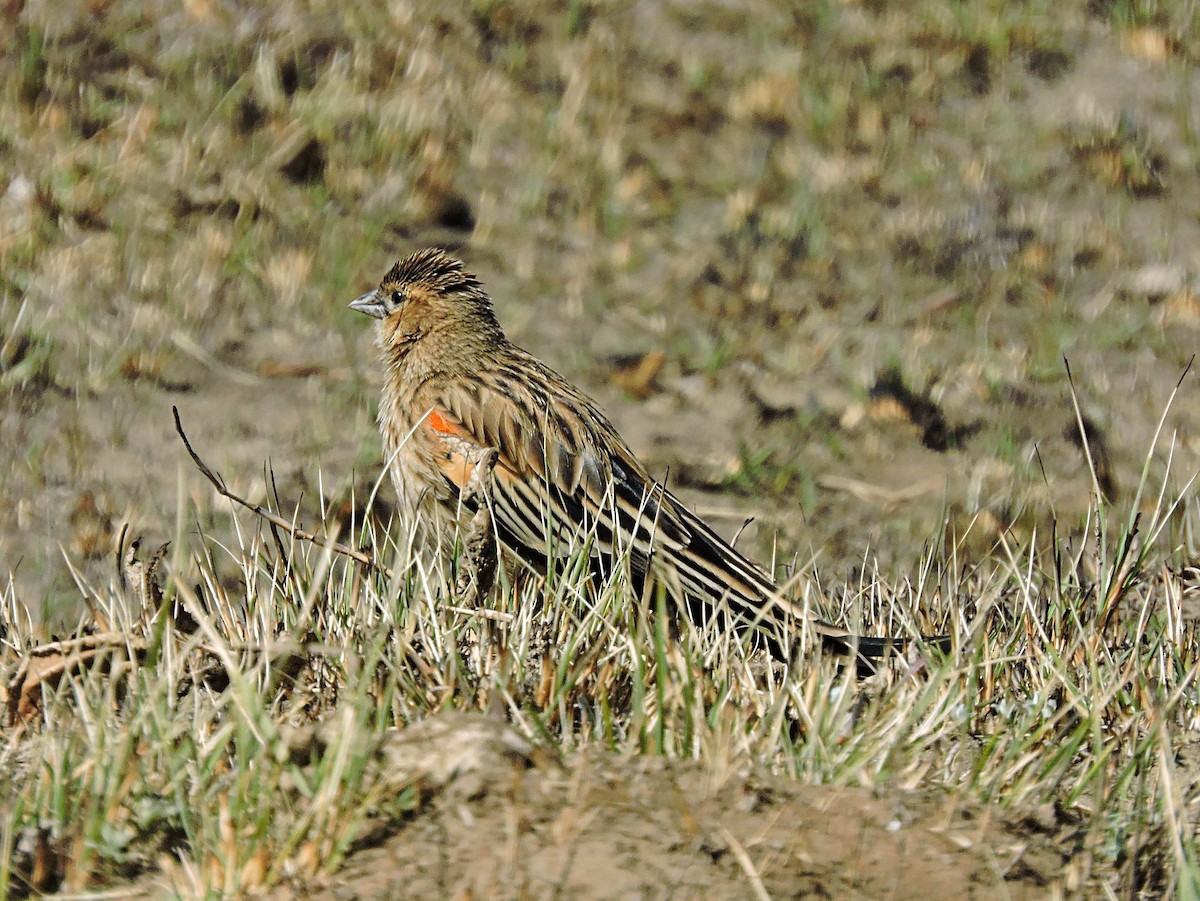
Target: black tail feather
{"points": [[866, 650]]}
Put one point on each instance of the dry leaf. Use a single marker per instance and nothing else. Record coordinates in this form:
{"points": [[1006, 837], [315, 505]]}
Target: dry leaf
{"points": [[637, 375]]}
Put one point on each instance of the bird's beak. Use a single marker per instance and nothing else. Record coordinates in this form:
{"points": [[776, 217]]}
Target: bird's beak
{"points": [[370, 304]]}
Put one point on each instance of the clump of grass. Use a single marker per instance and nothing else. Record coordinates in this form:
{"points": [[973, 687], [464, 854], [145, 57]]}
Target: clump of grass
{"points": [[26, 353], [1120, 155], [1068, 684]]}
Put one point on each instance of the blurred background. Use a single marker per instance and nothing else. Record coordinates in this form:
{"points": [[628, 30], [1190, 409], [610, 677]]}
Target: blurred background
{"points": [[821, 262]]}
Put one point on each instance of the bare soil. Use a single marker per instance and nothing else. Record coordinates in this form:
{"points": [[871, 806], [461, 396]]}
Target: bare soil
{"points": [[497, 819]]}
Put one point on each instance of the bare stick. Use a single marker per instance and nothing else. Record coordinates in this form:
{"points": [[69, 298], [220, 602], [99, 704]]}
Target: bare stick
{"points": [[747, 865], [272, 518]]}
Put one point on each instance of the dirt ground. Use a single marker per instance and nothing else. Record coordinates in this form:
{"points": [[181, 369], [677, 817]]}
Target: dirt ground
{"points": [[497, 819], [838, 303], [969, 258]]}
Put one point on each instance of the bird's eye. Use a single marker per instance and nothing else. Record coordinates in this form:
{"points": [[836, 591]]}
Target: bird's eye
{"points": [[397, 298]]}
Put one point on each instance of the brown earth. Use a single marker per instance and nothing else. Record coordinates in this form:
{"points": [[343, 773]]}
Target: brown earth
{"points": [[971, 257], [497, 819]]}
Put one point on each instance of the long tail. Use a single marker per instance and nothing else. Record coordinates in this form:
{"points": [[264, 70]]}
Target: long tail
{"points": [[709, 570]]}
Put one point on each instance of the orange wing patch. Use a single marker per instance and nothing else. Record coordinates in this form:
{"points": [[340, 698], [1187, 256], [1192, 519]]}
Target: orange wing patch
{"points": [[459, 455], [441, 424]]}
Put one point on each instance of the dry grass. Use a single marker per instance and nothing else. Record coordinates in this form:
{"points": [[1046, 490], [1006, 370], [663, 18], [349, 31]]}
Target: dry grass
{"points": [[1069, 694]]}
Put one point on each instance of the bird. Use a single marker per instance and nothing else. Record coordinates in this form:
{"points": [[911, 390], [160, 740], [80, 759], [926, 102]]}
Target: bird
{"points": [[462, 405]]}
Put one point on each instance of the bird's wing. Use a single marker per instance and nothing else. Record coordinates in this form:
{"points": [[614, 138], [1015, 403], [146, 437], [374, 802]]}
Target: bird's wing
{"points": [[561, 470]]}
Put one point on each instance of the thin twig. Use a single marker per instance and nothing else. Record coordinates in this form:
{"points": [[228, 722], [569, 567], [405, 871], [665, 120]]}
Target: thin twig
{"points": [[87, 642], [274, 519], [747, 865], [496, 616]]}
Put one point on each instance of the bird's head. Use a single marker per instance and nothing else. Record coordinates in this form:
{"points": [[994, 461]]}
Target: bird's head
{"points": [[428, 292]]}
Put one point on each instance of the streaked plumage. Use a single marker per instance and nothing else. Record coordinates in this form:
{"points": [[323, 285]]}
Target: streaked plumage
{"points": [[455, 386]]}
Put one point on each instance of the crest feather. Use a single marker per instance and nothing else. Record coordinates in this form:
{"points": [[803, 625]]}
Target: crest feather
{"points": [[434, 268]]}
